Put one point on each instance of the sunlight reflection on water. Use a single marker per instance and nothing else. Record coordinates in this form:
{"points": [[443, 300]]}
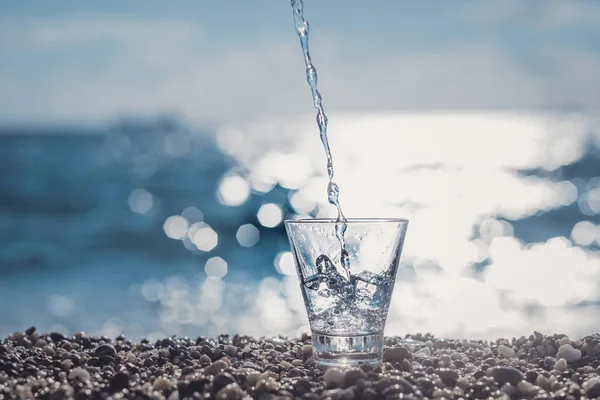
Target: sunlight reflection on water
{"points": [[457, 177]]}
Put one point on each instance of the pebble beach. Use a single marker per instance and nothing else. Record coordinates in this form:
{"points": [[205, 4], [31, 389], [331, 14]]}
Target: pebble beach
{"points": [[54, 366]]}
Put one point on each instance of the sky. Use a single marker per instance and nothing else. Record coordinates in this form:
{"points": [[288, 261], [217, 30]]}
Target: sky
{"points": [[80, 62]]}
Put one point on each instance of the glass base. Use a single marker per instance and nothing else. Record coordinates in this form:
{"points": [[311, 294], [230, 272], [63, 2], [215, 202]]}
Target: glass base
{"points": [[336, 350]]}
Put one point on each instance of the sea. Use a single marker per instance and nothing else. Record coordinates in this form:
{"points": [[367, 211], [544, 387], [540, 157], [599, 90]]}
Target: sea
{"points": [[153, 227]]}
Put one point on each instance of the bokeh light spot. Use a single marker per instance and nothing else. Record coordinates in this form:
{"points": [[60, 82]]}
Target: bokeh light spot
{"points": [[247, 235], [192, 214], [176, 227], [61, 306], [152, 290], [216, 267], [270, 215], [284, 263], [233, 190], [206, 238], [140, 201], [584, 233]]}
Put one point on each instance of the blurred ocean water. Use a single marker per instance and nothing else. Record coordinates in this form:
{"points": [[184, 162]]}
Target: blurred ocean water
{"points": [[154, 229]]}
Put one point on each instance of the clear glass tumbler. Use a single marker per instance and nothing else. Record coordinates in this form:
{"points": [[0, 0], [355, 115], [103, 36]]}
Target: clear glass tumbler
{"points": [[347, 309]]}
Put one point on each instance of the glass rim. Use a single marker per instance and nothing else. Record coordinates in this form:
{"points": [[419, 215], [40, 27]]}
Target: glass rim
{"points": [[348, 221]]}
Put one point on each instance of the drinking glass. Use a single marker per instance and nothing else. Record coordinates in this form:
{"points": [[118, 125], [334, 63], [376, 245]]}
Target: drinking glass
{"points": [[347, 308]]}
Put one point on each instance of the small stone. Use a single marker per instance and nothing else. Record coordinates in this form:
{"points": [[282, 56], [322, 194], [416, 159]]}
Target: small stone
{"points": [[456, 356], [567, 352], [524, 387], [504, 375], [593, 390], [445, 360], [252, 378], [307, 350], [66, 365], [174, 395], [397, 354], [286, 364], [215, 367], [79, 373], [40, 343], [49, 350], [564, 340], [267, 385], [333, 377], [424, 352], [17, 336], [368, 394], [352, 376], [297, 363], [161, 384], [449, 376], [505, 351], [30, 331], [231, 350], [105, 350], [550, 361], [230, 392], [204, 360], [120, 380], [222, 379], [57, 337], [561, 365], [542, 382]]}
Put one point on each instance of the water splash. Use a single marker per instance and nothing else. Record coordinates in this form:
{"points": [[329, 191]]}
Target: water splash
{"points": [[333, 190]]}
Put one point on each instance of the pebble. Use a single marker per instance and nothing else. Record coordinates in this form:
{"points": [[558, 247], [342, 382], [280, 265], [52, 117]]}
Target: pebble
{"points": [[38, 365], [424, 352], [161, 384], [105, 350], [215, 367], [505, 351], [560, 365], [333, 376], [222, 379], [504, 375], [567, 352], [231, 350], [79, 373], [120, 380], [230, 392], [396, 354], [267, 385], [204, 360], [307, 350]]}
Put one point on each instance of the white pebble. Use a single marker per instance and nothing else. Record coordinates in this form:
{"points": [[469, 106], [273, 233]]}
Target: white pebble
{"points": [[456, 356], [161, 384], [424, 352], [567, 352], [174, 395], [334, 376], [524, 387], [564, 340], [589, 383], [79, 373], [505, 351], [561, 365]]}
